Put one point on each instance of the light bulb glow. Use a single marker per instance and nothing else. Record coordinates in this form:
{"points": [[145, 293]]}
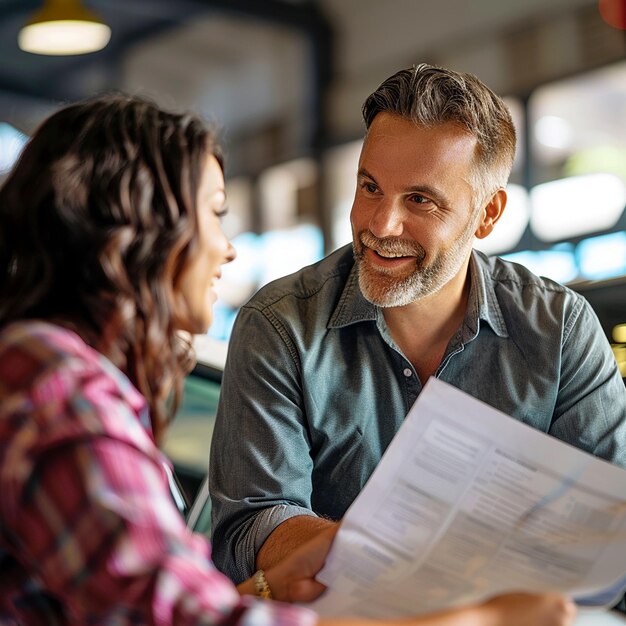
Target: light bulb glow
{"points": [[554, 132], [64, 37], [619, 333]]}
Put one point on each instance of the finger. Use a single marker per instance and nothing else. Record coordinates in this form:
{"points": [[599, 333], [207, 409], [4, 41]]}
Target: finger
{"points": [[305, 590]]}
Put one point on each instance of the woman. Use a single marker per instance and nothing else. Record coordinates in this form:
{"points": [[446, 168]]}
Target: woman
{"points": [[110, 236]]}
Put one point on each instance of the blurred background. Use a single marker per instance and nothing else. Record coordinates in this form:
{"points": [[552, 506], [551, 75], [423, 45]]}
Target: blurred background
{"points": [[285, 80]]}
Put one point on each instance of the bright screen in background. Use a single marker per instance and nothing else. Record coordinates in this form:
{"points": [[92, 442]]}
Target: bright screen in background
{"points": [[11, 144], [602, 257], [594, 258], [557, 263], [261, 259], [555, 211]]}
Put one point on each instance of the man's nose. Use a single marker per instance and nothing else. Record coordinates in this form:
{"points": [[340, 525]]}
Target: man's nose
{"points": [[387, 220]]}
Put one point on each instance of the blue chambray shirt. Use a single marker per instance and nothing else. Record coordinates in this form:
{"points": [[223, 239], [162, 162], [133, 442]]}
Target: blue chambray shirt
{"points": [[315, 388]]}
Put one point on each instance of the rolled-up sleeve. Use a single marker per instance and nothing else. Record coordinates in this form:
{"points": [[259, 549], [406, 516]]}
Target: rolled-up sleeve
{"points": [[261, 465]]}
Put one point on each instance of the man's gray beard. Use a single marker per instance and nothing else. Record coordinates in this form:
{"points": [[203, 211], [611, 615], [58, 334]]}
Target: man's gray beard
{"points": [[382, 288]]}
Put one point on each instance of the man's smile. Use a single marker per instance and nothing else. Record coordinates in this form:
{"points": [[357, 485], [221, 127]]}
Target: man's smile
{"points": [[388, 260]]}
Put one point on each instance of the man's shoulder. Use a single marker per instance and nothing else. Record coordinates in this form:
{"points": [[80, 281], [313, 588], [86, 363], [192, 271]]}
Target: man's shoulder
{"points": [[507, 274], [323, 279]]}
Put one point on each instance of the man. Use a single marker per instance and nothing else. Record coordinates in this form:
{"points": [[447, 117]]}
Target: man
{"points": [[324, 364]]}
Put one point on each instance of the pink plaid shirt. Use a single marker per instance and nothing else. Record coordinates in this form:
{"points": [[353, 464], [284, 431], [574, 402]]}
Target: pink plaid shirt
{"points": [[88, 531]]}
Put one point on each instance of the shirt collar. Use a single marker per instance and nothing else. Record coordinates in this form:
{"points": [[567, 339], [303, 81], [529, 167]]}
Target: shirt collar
{"points": [[352, 306], [482, 303]]}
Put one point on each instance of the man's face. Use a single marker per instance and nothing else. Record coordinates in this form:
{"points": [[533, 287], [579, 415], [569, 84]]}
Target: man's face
{"points": [[413, 217]]}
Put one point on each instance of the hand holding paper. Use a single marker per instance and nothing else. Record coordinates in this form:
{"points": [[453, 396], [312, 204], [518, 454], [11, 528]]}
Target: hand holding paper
{"points": [[468, 503]]}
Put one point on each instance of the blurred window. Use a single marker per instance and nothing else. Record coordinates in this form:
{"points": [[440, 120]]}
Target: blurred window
{"points": [[577, 159], [579, 125]]}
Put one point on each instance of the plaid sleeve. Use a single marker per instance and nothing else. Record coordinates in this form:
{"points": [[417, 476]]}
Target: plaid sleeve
{"points": [[92, 521], [106, 538]]}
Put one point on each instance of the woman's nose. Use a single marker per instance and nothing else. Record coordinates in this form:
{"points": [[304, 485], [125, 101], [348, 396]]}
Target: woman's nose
{"points": [[231, 253]]}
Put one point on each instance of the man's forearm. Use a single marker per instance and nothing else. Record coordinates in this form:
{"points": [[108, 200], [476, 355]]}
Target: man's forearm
{"points": [[287, 537]]}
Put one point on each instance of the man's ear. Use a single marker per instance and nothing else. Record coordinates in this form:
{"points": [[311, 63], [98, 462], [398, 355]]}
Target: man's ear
{"points": [[491, 213]]}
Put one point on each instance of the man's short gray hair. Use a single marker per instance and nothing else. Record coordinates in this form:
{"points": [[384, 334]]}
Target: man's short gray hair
{"points": [[429, 96]]}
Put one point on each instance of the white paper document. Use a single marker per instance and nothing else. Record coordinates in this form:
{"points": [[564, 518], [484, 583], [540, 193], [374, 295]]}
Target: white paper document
{"points": [[468, 502]]}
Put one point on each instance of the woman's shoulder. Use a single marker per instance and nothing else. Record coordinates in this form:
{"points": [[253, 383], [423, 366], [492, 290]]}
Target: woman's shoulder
{"points": [[32, 349], [35, 335], [64, 386]]}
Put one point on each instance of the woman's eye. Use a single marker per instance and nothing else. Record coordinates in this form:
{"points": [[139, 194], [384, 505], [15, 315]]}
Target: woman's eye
{"points": [[220, 213]]}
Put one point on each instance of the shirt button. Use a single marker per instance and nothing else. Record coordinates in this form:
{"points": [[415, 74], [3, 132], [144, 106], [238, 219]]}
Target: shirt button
{"points": [[408, 372]]}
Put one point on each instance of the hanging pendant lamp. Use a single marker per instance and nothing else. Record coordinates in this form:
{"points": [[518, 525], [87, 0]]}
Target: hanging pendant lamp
{"points": [[64, 27]]}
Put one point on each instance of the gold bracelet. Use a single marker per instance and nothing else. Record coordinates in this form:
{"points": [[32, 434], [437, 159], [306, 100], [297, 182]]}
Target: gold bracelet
{"points": [[261, 586]]}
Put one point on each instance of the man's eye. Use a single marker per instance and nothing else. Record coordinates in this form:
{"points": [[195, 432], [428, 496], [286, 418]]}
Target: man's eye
{"points": [[370, 187], [419, 199]]}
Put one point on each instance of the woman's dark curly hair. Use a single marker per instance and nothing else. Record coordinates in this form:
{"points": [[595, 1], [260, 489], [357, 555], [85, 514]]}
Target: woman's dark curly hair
{"points": [[97, 222]]}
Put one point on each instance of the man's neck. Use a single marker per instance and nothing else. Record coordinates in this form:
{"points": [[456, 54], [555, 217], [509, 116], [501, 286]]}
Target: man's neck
{"points": [[423, 329]]}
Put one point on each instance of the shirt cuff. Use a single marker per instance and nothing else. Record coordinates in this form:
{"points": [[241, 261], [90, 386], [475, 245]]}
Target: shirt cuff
{"points": [[259, 528]]}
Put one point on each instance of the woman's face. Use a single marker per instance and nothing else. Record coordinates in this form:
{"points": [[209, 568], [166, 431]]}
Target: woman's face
{"points": [[197, 282]]}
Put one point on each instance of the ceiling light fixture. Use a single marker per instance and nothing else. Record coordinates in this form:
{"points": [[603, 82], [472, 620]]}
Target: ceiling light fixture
{"points": [[64, 27]]}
